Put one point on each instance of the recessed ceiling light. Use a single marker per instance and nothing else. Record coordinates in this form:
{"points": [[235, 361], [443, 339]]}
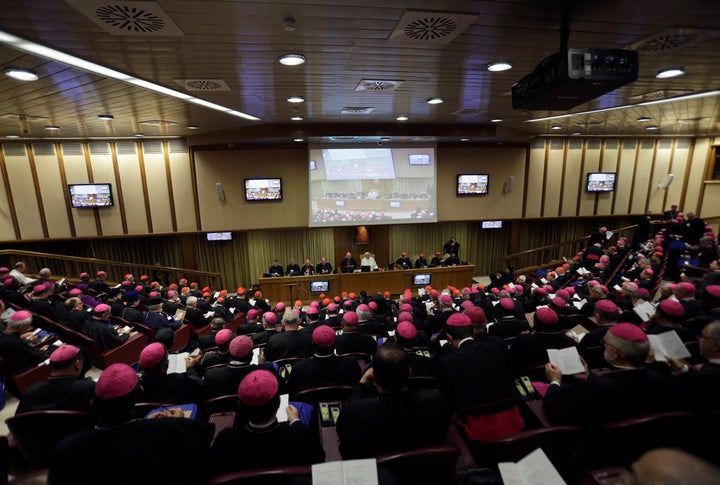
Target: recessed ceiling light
{"points": [[21, 74], [139, 135], [644, 118], [651, 128], [499, 66], [12, 136], [292, 59], [672, 72], [299, 139], [464, 139], [557, 127], [297, 118], [402, 118], [295, 99], [192, 127], [496, 120], [106, 117], [576, 133], [52, 127], [435, 101]]}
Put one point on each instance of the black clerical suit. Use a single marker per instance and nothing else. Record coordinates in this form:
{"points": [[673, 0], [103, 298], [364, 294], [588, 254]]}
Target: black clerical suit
{"points": [[329, 370], [59, 392], [103, 334], [355, 342], [288, 344], [292, 270], [348, 265], [403, 263], [323, 268], [222, 381]]}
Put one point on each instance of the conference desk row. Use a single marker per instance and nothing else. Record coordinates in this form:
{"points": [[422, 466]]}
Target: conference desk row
{"points": [[306, 288]]}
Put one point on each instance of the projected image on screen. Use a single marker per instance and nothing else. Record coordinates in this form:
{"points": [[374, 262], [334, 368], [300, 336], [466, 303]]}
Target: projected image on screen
{"points": [[369, 185]]}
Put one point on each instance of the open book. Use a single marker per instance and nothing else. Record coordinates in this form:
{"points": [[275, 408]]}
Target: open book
{"points": [[176, 363], [535, 469], [567, 359], [645, 311], [346, 472], [668, 343]]}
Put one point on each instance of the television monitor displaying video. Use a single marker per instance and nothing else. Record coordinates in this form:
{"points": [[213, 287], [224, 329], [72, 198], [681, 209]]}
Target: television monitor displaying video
{"points": [[491, 224], [219, 236], [421, 279], [319, 286], [600, 181], [472, 184], [263, 189], [419, 159], [90, 195]]}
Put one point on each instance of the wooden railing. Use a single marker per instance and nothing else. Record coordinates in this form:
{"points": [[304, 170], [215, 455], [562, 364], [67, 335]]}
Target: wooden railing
{"points": [[72, 266]]}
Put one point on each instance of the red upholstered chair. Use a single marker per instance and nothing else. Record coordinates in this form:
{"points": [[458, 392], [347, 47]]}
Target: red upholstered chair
{"points": [[433, 464], [262, 476], [18, 384], [315, 395]]}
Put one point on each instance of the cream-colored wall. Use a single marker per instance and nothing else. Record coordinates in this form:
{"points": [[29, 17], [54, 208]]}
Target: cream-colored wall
{"points": [[160, 190]]}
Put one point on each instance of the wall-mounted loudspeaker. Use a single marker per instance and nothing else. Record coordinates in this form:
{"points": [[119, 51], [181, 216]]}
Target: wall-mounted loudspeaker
{"points": [[220, 193], [509, 185], [668, 181]]}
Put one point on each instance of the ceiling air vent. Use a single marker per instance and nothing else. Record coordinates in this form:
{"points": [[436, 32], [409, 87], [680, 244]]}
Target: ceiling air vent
{"points": [[670, 40], [158, 123], [430, 27], [469, 112], [659, 94], [377, 85], [356, 110], [203, 84], [128, 17]]}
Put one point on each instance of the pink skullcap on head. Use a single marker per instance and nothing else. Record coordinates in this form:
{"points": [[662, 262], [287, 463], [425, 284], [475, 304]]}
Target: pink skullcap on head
{"points": [[75, 292], [628, 331], [496, 291], [642, 292], [687, 287], [633, 284], [347, 303], [559, 302], [467, 304], [314, 304], [466, 289], [459, 320], [600, 265], [152, 355], [313, 310], [323, 336], [476, 315], [507, 303], [541, 291], [362, 307], [519, 288], [101, 308], [445, 298], [153, 294], [332, 308], [405, 317], [373, 306], [21, 315], [39, 289], [241, 346], [223, 336], [606, 306], [280, 306], [714, 290], [296, 311], [115, 381], [171, 293], [101, 273], [351, 318], [257, 388], [252, 314], [672, 308], [570, 290], [84, 275], [547, 316], [139, 288], [657, 253], [5, 269], [649, 271], [64, 353], [270, 317], [603, 288], [6, 276], [406, 330], [565, 294], [593, 282], [406, 307]]}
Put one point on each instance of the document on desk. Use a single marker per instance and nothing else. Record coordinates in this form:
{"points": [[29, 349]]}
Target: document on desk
{"points": [[645, 311], [567, 359], [346, 472], [536, 469], [668, 343], [281, 414], [176, 363]]}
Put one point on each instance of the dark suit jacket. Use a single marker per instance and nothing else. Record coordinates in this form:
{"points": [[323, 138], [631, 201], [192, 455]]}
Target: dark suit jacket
{"points": [[288, 344], [354, 342], [316, 371]]}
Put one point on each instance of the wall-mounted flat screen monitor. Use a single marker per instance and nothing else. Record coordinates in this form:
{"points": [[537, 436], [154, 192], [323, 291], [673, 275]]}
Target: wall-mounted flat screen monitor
{"points": [[91, 195], [263, 189], [600, 181], [319, 286], [419, 159], [472, 184], [219, 236], [421, 279], [491, 224]]}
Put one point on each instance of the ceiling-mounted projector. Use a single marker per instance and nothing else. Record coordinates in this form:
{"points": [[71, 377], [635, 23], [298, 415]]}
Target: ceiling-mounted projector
{"points": [[572, 77]]}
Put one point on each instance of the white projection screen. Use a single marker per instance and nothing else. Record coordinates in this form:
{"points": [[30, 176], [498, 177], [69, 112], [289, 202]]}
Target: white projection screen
{"points": [[366, 185]]}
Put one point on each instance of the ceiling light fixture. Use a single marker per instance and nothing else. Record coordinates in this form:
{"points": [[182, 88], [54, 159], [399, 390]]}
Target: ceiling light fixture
{"points": [[496, 120], [192, 127], [56, 55], [106, 117], [576, 133], [295, 99], [402, 118], [21, 74], [651, 128], [499, 66], [464, 139], [684, 97], [557, 127], [52, 127], [138, 135], [642, 119], [672, 72], [297, 118], [292, 59], [299, 140], [12, 136], [435, 101]]}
